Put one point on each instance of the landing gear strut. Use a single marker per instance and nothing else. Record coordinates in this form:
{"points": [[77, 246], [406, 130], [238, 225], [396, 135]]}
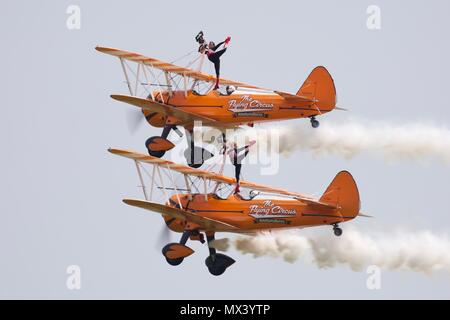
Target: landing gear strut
{"points": [[314, 122], [195, 156], [337, 231], [176, 252], [217, 263], [157, 146]]}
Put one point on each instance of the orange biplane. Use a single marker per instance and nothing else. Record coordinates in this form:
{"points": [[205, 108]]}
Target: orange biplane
{"points": [[183, 96], [201, 203]]}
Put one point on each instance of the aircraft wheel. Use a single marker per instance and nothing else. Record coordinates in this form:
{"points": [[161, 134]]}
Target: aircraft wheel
{"points": [[218, 263], [198, 157], [195, 165], [181, 251], [337, 231], [157, 146], [315, 123], [217, 271], [156, 154], [174, 262]]}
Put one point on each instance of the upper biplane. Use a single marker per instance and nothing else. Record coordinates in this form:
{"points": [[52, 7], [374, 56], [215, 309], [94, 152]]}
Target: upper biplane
{"points": [[172, 96], [199, 202]]}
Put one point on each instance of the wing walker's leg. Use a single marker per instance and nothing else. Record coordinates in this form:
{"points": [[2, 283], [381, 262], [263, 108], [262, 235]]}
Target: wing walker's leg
{"points": [[217, 263]]}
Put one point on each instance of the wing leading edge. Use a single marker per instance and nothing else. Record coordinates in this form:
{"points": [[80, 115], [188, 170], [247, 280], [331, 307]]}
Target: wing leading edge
{"points": [[183, 116], [206, 223]]}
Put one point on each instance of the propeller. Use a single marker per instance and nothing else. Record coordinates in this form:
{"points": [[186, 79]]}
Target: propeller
{"points": [[163, 238], [134, 119]]}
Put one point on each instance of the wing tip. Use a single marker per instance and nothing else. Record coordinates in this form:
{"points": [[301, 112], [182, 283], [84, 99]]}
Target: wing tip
{"points": [[103, 49], [132, 202], [127, 201], [116, 96], [113, 150]]}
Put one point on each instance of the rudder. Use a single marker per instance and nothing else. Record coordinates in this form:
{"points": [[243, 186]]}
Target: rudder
{"points": [[343, 193], [319, 86]]}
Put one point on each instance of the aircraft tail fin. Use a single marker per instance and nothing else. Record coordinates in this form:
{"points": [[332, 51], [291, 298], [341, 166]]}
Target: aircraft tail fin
{"points": [[319, 86], [343, 193]]}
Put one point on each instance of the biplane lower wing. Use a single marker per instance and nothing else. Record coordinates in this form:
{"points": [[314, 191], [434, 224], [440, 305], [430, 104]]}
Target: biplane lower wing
{"points": [[183, 116], [206, 223]]}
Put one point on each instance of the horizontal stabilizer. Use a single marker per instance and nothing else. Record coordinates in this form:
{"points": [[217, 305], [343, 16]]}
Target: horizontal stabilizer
{"points": [[365, 215], [294, 98], [317, 203]]}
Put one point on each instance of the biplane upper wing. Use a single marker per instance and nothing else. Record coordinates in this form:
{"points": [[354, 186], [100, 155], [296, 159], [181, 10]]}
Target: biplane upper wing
{"points": [[169, 67], [165, 109], [213, 176], [206, 223]]}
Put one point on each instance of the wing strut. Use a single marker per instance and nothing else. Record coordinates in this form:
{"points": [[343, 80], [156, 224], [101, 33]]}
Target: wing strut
{"points": [[126, 76], [141, 179]]}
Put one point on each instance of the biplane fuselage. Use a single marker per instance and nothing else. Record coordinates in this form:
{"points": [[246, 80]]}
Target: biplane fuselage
{"points": [[252, 215], [240, 107]]}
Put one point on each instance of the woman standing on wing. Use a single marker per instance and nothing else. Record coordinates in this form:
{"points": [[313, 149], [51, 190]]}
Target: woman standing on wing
{"points": [[236, 160], [214, 56]]}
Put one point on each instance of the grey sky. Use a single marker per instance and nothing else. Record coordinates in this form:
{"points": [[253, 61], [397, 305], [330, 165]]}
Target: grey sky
{"points": [[61, 191]]}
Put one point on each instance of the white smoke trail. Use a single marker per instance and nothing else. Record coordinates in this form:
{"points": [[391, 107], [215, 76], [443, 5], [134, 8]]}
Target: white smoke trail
{"points": [[414, 141], [420, 251]]}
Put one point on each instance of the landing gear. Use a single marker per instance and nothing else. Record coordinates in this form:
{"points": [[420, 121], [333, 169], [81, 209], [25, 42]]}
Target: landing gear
{"points": [[314, 123], [157, 146], [337, 231], [174, 262], [176, 252], [195, 156], [217, 263]]}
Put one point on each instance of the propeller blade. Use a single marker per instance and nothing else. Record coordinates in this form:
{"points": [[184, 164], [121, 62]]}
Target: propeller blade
{"points": [[164, 237], [134, 119]]}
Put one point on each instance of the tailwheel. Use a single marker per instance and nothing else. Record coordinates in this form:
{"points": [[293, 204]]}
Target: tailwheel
{"points": [[337, 231], [218, 263], [176, 252], [314, 122], [157, 146]]}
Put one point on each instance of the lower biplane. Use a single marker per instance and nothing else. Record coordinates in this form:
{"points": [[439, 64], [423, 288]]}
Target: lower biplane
{"points": [[201, 203], [184, 97]]}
